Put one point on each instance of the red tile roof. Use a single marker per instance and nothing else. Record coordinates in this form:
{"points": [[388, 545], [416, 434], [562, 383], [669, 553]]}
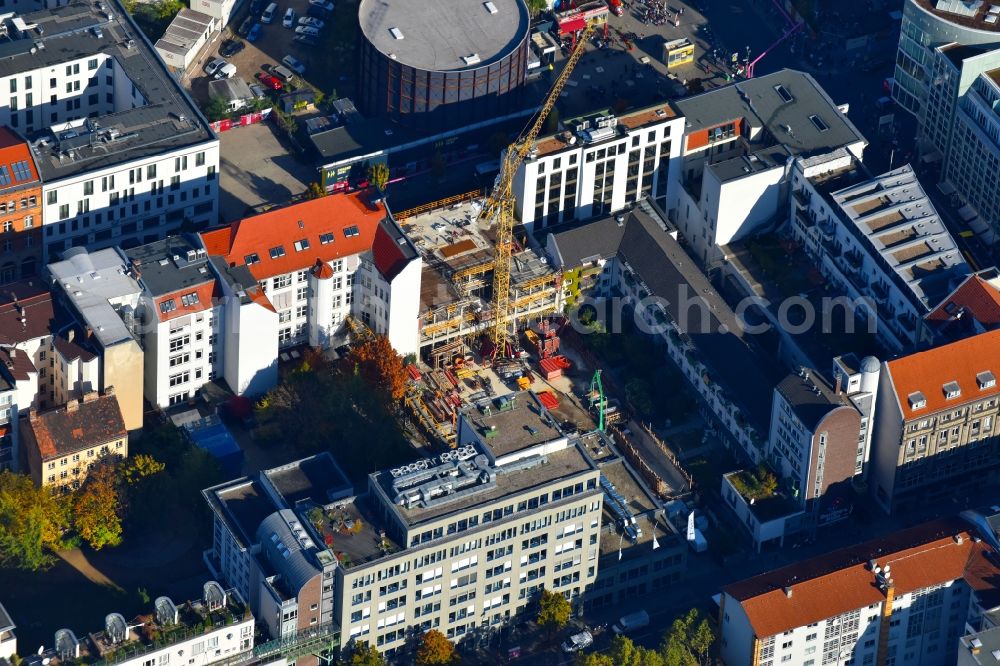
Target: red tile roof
{"points": [[928, 372], [60, 431], [14, 149], [283, 227], [842, 581], [388, 256], [977, 297], [206, 293]]}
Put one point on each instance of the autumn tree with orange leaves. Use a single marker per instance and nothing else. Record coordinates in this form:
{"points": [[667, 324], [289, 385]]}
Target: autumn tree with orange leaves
{"points": [[435, 650], [380, 365]]}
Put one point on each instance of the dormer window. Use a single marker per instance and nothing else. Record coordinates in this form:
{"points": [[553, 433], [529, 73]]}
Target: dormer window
{"points": [[986, 380], [917, 400], [952, 390]]}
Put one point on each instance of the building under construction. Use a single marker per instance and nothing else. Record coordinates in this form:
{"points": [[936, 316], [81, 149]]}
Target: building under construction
{"points": [[457, 280]]}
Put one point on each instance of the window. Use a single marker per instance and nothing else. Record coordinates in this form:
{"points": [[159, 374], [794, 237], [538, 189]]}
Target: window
{"points": [[199, 159], [325, 239], [180, 378], [179, 343], [277, 251], [251, 259], [52, 197], [168, 305], [819, 123], [88, 188], [175, 182], [351, 231], [302, 244], [187, 300], [64, 212], [150, 171], [179, 359], [282, 281]]}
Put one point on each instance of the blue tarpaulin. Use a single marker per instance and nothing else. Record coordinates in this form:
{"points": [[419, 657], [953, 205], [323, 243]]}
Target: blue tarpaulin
{"points": [[211, 435]]}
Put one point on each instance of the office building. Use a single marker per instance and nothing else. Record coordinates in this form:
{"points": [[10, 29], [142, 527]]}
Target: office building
{"points": [[123, 153], [935, 423], [740, 143], [182, 318], [599, 164], [972, 308], [215, 628], [320, 261], [900, 599], [881, 243], [62, 445], [926, 25], [99, 291], [20, 209]]}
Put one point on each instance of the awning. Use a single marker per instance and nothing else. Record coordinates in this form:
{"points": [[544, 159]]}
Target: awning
{"points": [[572, 25]]}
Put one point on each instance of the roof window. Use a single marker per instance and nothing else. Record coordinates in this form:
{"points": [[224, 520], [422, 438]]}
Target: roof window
{"points": [[168, 305], [351, 231], [325, 239], [396, 33], [22, 171], [917, 400], [187, 300], [277, 251], [4, 175], [490, 7], [819, 123], [302, 244], [783, 93], [986, 380], [952, 390], [251, 259]]}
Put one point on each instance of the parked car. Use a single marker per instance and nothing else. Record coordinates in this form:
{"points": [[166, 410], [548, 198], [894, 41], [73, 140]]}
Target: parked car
{"points": [[631, 622], [248, 23], [267, 18], [578, 642], [258, 91], [307, 40], [254, 33], [326, 5], [214, 65], [289, 19], [294, 65], [282, 72], [306, 30], [311, 22], [227, 71], [269, 81], [231, 47]]}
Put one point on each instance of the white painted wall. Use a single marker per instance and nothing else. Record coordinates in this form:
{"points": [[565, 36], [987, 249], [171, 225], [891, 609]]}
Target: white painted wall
{"points": [[251, 347], [404, 309]]}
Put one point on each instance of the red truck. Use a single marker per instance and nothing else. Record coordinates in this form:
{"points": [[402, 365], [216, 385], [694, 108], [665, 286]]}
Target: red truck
{"points": [[616, 7]]}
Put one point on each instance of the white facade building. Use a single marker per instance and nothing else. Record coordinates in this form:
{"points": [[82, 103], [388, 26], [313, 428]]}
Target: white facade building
{"points": [[880, 242], [599, 165], [900, 600], [124, 154]]}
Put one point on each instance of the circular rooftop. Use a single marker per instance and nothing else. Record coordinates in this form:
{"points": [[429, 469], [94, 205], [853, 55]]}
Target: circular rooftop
{"points": [[444, 35], [870, 364]]}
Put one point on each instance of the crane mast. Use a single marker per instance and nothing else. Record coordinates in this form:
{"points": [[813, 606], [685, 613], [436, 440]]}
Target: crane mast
{"points": [[499, 205]]}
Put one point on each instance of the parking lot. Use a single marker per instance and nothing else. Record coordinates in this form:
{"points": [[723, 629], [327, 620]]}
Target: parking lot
{"points": [[258, 168], [329, 64]]}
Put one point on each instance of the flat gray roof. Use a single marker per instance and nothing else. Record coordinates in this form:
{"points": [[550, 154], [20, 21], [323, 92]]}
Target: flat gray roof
{"points": [[438, 35], [243, 505], [511, 423], [315, 478], [760, 102], [167, 120], [164, 267]]}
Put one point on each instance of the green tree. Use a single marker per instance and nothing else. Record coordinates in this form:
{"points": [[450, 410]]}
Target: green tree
{"points": [[378, 175], [623, 652], [133, 470], [553, 611], [96, 509], [592, 659], [216, 109], [32, 523], [435, 650], [315, 191], [366, 655], [536, 7], [689, 640]]}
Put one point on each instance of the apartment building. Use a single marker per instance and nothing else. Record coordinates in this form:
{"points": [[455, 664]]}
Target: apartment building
{"points": [[936, 423], [215, 628], [599, 164], [859, 379], [265, 544], [881, 243], [62, 445], [900, 599], [99, 291], [320, 261], [740, 142], [123, 153], [816, 445], [20, 209], [181, 318], [972, 308]]}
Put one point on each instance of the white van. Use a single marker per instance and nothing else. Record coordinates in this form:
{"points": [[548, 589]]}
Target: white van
{"points": [[631, 622], [268, 16], [282, 72], [227, 71]]}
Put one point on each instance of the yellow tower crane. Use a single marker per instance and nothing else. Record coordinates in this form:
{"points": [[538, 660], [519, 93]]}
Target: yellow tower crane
{"points": [[499, 205]]}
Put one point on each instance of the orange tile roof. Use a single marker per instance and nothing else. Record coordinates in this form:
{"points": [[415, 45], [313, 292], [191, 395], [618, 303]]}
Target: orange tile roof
{"points": [[284, 226], [15, 149], [979, 298], [59, 432], [928, 371], [205, 292], [821, 589]]}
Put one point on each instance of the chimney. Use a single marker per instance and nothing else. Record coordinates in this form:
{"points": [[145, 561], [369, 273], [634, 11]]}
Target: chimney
{"points": [[72, 406], [70, 334], [89, 396], [840, 381], [788, 592], [13, 352], [109, 390]]}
